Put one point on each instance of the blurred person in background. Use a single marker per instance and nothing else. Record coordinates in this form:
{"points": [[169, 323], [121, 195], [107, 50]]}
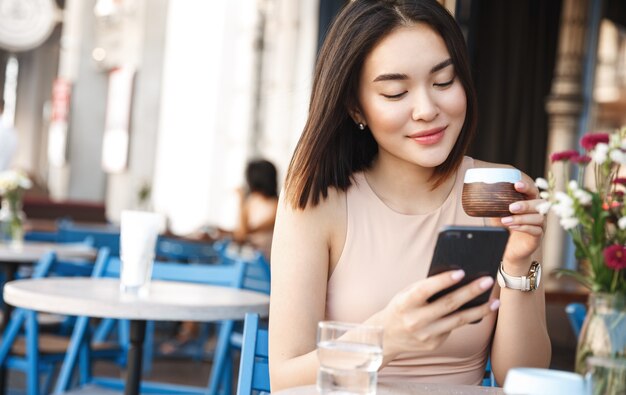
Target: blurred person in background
{"points": [[258, 202], [8, 140]]}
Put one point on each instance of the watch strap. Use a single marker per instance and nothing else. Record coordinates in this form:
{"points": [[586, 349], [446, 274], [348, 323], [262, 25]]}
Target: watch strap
{"points": [[520, 283]]}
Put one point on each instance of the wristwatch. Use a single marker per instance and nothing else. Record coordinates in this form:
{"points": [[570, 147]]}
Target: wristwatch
{"points": [[529, 282]]}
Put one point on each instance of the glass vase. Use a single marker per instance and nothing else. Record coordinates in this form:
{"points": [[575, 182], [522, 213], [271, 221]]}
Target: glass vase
{"points": [[12, 222], [603, 336]]}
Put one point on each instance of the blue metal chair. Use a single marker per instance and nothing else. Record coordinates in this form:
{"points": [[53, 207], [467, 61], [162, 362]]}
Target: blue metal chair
{"points": [[224, 275], [576, 314], [172, 249], [23, 347], [101, 236], [229, 339], [254, 372]]}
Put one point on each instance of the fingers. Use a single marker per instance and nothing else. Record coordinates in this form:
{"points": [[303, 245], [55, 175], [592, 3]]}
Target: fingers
{"points": [[418, 293], [527, 188], [453, 321], [450, 303], [526, 218]]}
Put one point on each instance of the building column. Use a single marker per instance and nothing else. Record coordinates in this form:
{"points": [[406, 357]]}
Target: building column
{"points": [[564, 106]]}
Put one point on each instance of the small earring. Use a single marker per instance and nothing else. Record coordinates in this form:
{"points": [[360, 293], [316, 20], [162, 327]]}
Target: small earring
{"points": [[361, 126]]}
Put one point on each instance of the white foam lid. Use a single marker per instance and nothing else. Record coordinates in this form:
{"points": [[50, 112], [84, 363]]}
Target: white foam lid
{"points": [[534, 381], [491, 175]]}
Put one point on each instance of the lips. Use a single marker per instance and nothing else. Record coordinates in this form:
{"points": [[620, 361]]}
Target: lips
{"points": [[428, 137]]}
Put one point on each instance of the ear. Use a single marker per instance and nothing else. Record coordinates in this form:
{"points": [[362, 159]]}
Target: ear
{"points": [[357, 115]]}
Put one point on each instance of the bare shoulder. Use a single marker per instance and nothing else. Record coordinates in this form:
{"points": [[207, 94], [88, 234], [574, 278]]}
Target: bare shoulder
{"points": [[482, 163]]}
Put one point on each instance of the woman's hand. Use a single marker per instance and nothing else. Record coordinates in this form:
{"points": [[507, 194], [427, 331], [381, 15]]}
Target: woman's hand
{"points": [[526, 224], [413, 324]]}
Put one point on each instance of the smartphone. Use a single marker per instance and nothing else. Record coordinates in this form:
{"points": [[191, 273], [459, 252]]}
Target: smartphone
{"points": [[477, 250]]}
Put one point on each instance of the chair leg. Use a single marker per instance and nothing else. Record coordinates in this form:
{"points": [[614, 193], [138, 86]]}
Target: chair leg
{"points": [[32, 353], [220, 357], [148, 347], [69, 362]]}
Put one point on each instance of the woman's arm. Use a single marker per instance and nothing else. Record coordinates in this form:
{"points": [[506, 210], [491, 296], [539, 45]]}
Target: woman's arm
{"points": [[300, 271], [521, 336]]}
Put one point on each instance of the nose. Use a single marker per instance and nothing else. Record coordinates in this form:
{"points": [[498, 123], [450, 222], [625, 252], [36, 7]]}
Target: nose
{"points": [[424, 107]]}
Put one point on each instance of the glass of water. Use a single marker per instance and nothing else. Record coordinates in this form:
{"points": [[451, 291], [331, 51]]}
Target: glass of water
{"points": [[349, 356]]}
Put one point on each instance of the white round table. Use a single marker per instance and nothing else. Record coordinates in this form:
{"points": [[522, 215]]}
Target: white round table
{"points": [[31, 251], [405, 388], [165, 301], [11, 257]]}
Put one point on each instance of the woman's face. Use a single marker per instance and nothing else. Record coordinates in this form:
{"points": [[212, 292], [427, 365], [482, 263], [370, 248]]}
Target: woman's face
{"points": [[410, 97]]}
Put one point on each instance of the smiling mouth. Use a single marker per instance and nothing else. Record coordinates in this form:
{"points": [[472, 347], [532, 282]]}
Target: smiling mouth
{"points": [[430, 137]]}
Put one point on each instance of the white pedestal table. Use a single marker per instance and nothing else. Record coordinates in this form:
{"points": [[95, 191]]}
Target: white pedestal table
{"points": [[165, 301]]}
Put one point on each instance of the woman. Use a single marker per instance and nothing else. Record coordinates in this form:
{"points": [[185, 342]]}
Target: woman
{"points": [[257, 206], [377, 172]]}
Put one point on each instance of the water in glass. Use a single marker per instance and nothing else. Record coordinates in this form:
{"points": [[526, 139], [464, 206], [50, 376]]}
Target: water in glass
{"points": [[349, 365]]}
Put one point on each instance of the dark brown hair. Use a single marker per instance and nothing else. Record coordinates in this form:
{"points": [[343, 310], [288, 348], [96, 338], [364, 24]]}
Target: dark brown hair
{"points": [[332, 147], [261, 177]]}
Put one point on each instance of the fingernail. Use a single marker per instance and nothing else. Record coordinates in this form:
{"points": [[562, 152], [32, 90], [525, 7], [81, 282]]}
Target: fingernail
{"points": [[457, 275], [507, 220], [494, 305], [519, 185], [486, 283], [515, 207]]}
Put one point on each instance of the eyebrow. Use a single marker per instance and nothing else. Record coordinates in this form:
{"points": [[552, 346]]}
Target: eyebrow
{"points": [[399, 76]]}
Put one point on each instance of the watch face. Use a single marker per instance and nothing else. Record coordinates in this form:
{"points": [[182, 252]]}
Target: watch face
{"points": [[535, 275], [538, 280]]}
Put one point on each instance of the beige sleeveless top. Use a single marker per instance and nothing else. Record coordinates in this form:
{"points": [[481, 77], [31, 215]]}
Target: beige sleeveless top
{"points": [[386, 251]]}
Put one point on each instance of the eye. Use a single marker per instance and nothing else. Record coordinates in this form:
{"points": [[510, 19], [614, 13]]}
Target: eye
{"points": [[444, 84], [399, 95]]}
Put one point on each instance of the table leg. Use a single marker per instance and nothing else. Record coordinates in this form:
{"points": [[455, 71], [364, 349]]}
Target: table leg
{"points": [[135, 354], [10, 269]]}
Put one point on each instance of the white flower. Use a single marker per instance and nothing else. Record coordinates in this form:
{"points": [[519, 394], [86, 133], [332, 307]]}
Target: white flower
{"points": [[544, 195], [573, 185], [11, 180], [563, 210], [622, 223], [569, 223], [618, 156], [541, 183], [614, 140], [544, 207], [563, 198], [583, 196], [599, 153]]}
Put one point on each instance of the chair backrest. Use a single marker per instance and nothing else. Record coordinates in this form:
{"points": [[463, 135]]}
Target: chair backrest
{"points": [[254, 372], [100, 237], [257, 276], [172, 249], [576, 314], [223, 275]]}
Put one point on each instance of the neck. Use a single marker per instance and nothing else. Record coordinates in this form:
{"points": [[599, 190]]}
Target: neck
{"points": [[406, 188]]}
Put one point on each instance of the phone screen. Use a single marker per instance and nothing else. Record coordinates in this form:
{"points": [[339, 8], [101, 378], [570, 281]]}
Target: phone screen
{"points": [[477, 250]]}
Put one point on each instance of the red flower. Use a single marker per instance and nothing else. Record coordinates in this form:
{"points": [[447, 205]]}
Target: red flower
{"points": [[563, 156], [590, 140], [620, 181], [615, 257], [580, 159]]}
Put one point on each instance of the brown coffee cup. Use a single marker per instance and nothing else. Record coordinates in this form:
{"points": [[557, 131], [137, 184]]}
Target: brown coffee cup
{"points": [[488, 192]]}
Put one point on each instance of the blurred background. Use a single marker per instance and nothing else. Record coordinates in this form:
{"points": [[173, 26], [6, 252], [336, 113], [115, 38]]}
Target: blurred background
{"points": [[159, 104]]}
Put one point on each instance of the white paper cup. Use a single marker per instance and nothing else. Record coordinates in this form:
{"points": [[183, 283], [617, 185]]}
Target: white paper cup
{"points": [[138, 236], [533, 381]]}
